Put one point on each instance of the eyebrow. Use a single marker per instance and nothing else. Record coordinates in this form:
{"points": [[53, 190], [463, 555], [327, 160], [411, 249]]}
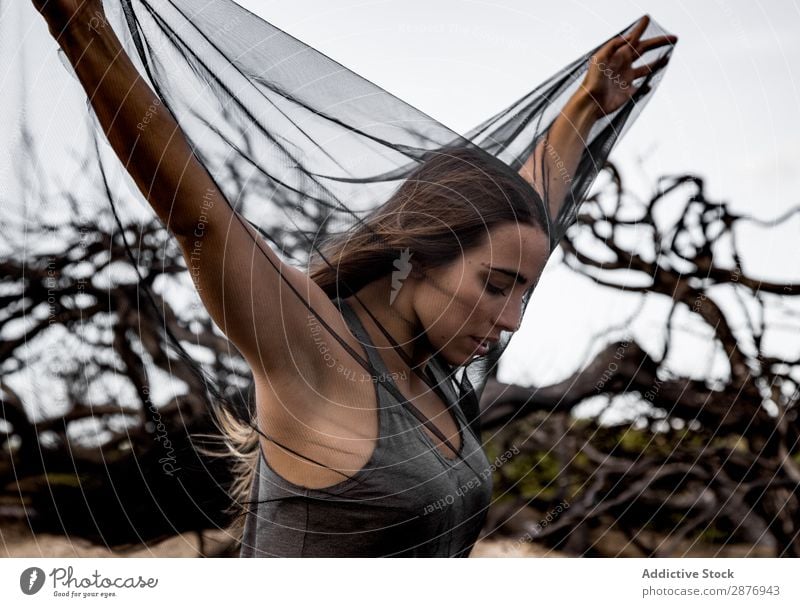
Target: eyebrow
{"points": [[516, 275]]}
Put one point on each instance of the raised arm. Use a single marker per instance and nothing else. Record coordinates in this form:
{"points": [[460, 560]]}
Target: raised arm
{"points": [[140, 129], [558, 153], [608, 84], [237, 274]]}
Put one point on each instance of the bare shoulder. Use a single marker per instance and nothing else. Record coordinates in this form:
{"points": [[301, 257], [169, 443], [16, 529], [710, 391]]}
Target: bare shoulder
{"points": [[318, 365], [321, 411]]}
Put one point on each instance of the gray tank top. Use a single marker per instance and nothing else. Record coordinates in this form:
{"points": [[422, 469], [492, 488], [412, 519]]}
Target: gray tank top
{"points": [[408, 500]]}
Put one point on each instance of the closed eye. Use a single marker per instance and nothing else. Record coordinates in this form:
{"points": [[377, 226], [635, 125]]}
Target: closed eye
{"points": [[495, 290]]}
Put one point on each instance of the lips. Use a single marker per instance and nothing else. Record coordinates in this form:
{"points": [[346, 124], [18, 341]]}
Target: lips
{"points": [[482, 345]]}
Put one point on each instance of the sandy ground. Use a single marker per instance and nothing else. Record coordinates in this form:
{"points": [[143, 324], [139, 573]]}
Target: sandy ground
{"points": [[17, 541]]}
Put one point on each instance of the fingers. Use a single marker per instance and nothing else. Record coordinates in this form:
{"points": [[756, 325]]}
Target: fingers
{"points": [[631, 39], [639, 29], [634, 37], [646, 69], [651, 43], [615, 44]]}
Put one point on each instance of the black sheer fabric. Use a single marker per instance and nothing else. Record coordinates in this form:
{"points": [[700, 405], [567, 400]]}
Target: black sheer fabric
{"points": [[304, 149]]}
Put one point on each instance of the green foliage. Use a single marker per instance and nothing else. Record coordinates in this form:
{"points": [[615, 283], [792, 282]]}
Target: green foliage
{"points": [[532, 474]]}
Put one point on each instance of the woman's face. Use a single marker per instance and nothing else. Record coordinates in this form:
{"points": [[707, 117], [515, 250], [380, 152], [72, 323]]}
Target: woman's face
{"points": [[480, 293]]}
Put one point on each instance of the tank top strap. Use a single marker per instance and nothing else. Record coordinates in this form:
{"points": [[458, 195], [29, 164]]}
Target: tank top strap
{"points": [[388, 404], [467, 403], [439, 373], [355, 324]]}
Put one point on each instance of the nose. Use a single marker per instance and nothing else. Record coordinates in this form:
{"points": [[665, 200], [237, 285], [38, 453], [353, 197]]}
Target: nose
{"points": [[510, 317]]}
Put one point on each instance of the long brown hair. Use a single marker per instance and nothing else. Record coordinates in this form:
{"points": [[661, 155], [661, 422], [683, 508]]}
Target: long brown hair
{"points": [[445, 206]]}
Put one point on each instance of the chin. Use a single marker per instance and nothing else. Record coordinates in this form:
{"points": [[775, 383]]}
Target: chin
{"points": [[458, 359], [453, 354]]}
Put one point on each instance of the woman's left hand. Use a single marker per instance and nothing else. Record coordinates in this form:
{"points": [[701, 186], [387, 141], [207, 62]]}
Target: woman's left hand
{"points": [[609, 81]]}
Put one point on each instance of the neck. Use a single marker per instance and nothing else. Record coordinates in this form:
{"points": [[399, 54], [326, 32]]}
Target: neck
{"points": [[399, 320]]}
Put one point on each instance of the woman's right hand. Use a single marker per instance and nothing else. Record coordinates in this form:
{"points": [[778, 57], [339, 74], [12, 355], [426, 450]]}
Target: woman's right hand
{"points": [[61, 14]]}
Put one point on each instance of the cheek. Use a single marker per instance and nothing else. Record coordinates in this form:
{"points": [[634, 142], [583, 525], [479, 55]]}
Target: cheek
{"points": [[445, 327], [449, 305], [452, 344], [468, 291], [447, 292]]}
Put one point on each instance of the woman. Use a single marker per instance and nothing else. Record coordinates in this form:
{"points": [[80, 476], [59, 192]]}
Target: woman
{"points": [[357, 464]]}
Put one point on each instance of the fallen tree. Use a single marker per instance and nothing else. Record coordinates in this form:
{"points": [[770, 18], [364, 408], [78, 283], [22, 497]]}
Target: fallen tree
{"points": [[711, 459]]}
